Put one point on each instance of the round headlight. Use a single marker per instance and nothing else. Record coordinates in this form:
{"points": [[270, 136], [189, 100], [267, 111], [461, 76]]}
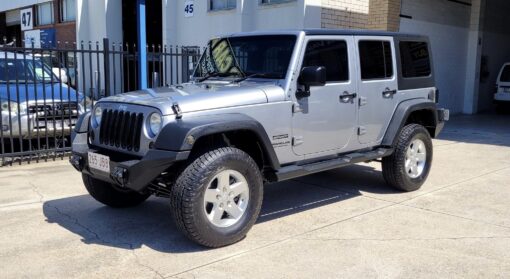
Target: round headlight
{"points": [[98, 113], [155, 123]]}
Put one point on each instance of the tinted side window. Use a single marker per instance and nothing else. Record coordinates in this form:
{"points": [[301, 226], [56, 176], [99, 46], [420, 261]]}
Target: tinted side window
{"points": [[505, 75], [330, 54], [415, 59], [375, 59]]}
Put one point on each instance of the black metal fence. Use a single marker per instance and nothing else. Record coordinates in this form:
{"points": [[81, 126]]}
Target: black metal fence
{"points": [[44, 90]]}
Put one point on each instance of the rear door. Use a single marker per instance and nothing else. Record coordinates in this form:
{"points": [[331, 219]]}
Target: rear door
{"points": [[325, 122], [377, 87]]}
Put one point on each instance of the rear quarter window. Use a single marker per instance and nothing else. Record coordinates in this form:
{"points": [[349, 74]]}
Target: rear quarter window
{"points": [[505, 74], [415, 59]]}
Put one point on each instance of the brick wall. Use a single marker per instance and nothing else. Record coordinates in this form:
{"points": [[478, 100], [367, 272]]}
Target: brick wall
{"points": [[384, 15], [344, 14], [361, 14]]}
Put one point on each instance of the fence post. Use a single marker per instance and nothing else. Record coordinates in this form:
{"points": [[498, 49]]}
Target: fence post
{"points": [[155, 79], [106, 65]]}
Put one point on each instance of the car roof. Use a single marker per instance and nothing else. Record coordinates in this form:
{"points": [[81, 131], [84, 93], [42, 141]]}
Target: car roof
{"points": [[14, 55], [326, 32]]}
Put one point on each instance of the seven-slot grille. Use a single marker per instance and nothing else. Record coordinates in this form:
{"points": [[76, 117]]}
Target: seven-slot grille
{"points": [[121, 129]]}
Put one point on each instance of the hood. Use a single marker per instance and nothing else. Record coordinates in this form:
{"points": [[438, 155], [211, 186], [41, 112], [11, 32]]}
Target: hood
{"points": [[202, 96], [31, 92]]}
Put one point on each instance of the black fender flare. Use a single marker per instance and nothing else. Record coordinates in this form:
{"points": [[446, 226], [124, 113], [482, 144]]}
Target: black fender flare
{"points": [[175, 135], [401, 114]]}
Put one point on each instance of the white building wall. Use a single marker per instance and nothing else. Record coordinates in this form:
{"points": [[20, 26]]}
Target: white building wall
{"points": [[249, 15], [95, 20], [447, 25], [6, 5]]}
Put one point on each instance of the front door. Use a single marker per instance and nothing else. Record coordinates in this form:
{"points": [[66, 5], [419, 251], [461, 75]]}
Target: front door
{"points": [[377, 87], [326, 120]]}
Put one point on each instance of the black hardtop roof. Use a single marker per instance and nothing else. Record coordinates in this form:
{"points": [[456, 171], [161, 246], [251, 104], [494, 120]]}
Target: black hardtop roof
{"points": [[354, 32]]}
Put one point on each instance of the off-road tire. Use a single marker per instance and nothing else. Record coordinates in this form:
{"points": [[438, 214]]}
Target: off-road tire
{"points": [[112, 195], [187, 201], [393, 166]]}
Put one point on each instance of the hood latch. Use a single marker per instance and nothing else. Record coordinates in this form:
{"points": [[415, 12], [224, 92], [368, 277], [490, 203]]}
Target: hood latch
{"points": [[177, 110]]}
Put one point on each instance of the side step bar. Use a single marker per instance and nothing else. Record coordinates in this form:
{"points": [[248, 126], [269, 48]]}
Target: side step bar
{"points": [[294, 171]]}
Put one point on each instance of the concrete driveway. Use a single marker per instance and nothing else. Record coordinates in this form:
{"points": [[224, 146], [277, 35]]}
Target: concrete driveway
{"points": [[344, 223]]}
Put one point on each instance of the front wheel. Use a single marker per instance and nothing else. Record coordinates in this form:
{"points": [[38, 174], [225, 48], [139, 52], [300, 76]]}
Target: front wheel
{"points": [[409, 165], [217, 198]]}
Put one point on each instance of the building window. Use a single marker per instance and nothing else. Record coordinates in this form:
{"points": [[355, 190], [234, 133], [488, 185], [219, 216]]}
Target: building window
{"points": [[415, 59], [330, 54], [215, 5], [67, 10], [275, 1], [375, 59], [45, 13]]}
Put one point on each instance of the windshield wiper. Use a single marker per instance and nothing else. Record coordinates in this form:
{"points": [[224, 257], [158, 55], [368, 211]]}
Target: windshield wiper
{"points": [[259, 75], [214, 74]]}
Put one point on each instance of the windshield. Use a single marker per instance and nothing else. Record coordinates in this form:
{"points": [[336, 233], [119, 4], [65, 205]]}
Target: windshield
{"points": [[24, 71], [267, 56], [505, 75]]}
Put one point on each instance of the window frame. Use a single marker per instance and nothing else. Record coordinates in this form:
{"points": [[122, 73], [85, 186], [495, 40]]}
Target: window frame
{"points": [[261, 2], [418, 82], [38, 13], [393, 57], [210, 5], [503, 72], [349, 74], [61, 12]]}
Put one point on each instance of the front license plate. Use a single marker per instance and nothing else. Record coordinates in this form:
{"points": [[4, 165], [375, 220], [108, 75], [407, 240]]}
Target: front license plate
{"points": [[99, 162]]}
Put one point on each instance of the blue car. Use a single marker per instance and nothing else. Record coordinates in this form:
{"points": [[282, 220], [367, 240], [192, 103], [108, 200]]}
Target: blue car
{"points": [[33, 101]]}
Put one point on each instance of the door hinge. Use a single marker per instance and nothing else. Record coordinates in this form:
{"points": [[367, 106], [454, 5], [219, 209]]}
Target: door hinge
{"points": [[296, 108], [362, 130], [362, 101], [297, 140]]}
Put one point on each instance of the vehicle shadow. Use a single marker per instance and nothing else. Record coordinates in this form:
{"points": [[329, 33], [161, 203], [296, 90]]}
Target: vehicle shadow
{"points": [[151, 225]]}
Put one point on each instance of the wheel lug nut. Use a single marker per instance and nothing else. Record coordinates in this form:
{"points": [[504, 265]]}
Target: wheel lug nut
{"points": [[221, 205], [228, 203], [218, 197]]}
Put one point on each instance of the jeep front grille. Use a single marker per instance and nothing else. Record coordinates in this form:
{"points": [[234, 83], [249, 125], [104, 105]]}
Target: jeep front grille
{"points": [[121, 129]]}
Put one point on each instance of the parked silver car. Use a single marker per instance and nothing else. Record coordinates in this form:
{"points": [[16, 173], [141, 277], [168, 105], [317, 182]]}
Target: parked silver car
{"points": [[33, 101], [263, 107]]}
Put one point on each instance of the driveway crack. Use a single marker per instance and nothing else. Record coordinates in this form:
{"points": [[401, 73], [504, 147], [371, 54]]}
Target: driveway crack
{"points": [[405, 238], [36, 190]]}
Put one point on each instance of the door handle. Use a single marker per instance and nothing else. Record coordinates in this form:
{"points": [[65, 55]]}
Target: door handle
{"points": [[346, 97], [387, 93]]}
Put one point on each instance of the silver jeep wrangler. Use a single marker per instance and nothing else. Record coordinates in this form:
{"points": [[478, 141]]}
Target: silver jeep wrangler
{"points": [[263, 107]]}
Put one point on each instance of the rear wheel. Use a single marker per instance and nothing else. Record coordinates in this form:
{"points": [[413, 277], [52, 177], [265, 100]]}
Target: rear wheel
{"points": [[217, 198], [409, 165], [112, 195]]}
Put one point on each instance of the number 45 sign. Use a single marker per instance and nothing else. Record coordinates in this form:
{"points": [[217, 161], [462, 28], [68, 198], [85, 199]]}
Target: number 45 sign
{"points": [[189, 8], [26, 19]]}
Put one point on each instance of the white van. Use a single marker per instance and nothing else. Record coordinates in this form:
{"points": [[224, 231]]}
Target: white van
{"points": [[502, 96]]}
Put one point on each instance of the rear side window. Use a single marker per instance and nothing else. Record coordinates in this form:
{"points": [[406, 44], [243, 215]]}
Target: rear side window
{"points": [[330, 54], [415, 59], [375, 59], [505, 75]]}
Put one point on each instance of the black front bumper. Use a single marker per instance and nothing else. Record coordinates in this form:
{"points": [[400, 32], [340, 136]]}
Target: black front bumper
{"points": [[133, 173]]}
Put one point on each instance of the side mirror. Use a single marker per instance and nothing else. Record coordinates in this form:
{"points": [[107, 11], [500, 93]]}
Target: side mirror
{"points": [[311, 76]]}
